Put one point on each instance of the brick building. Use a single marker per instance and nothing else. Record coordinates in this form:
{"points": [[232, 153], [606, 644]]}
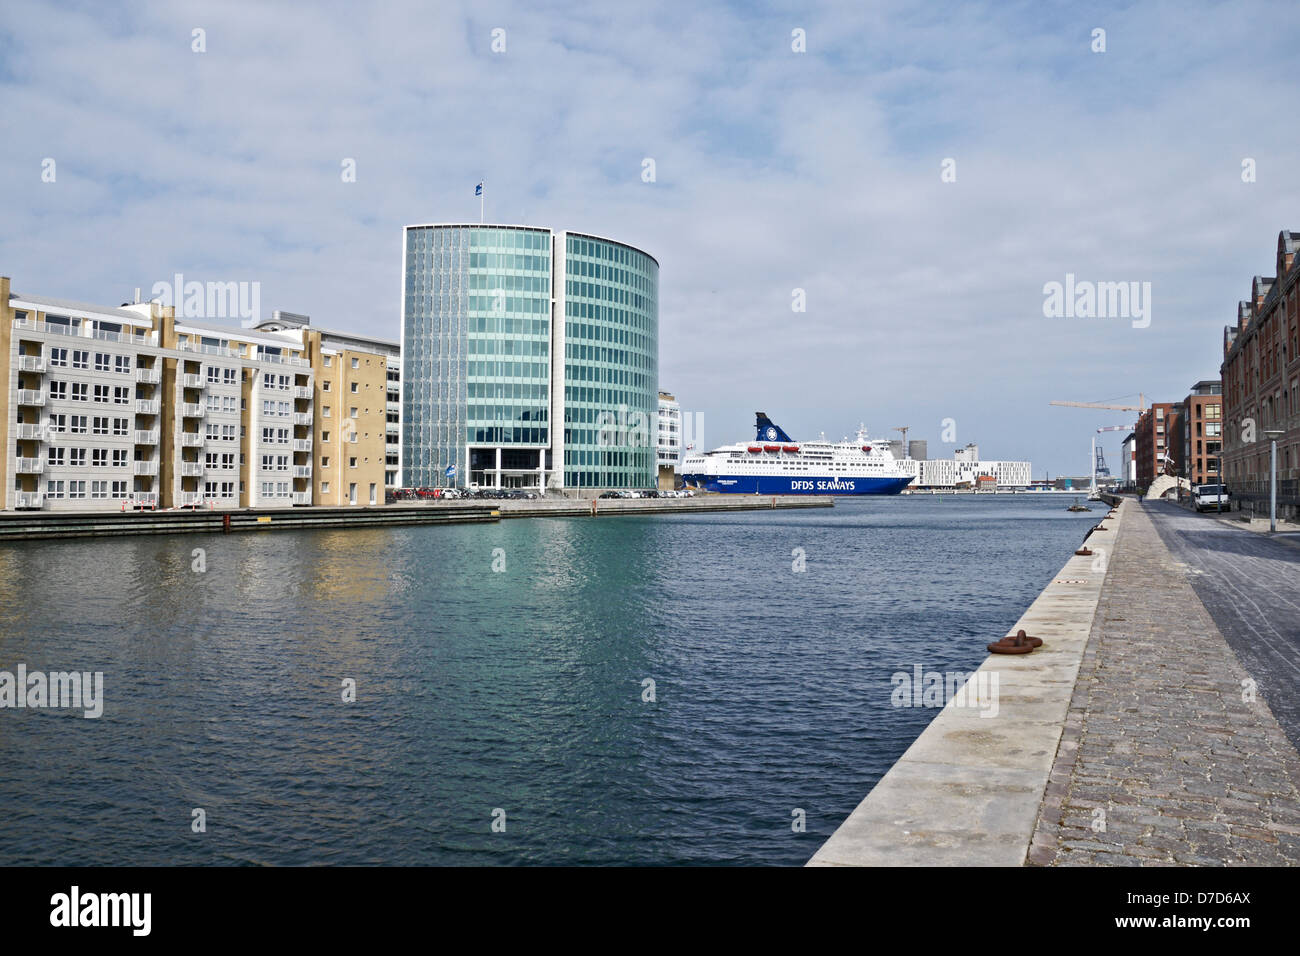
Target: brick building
{"points": [[1159, 442], [1202, 432], [1261, 371]]}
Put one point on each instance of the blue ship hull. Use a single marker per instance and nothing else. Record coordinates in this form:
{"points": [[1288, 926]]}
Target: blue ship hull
{"points": [[791, 485]]}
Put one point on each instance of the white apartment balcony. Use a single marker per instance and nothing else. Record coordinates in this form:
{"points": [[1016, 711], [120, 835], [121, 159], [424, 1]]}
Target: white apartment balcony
{"points": [[191, 440], [30, 396], [189, 499], [192, 411], [31, 363], [193, 381], [145, 499], [148, 376], [29, 432], [29, 499], [302, 418], [302, 391], [395, 407], [302, 444], [30, 466], [146, 406], [146, 467], [192, 469], [392, 428], [148, 338], [302, 471], [208, 349], [302, 497], [147, 437]]}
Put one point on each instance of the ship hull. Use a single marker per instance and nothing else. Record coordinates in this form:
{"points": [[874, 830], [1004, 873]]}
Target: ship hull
{"points": [[792, 485]]}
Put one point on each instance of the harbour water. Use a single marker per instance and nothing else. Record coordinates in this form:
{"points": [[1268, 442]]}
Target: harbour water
{"points": [[480, 690]]}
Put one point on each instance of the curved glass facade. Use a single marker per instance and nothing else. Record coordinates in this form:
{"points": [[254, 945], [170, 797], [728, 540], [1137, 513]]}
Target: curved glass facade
{"points": [[611, 364], [479, 379]]}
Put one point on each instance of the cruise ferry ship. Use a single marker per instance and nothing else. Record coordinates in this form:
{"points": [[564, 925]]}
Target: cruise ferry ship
{"points": [[775, 464]]}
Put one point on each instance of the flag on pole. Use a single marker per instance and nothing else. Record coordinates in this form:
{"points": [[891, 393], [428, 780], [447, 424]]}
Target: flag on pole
{"points": [[478, 190], [451, 471]]}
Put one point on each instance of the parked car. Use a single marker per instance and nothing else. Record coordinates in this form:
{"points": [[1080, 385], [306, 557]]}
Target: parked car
{"points": [[1210, 498]]}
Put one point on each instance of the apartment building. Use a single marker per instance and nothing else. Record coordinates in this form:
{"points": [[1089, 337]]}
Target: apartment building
{"points": [[1261, 386], [357, 402], [114, 408], [1202, 432], [669, 440]]}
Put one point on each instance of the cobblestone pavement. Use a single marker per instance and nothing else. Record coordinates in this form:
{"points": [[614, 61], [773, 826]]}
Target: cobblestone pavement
{"points": [[1250, 584], [1162, 761]]}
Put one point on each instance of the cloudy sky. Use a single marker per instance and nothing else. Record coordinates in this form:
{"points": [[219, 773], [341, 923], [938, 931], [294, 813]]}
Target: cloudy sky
{"points": [[775, 170]]}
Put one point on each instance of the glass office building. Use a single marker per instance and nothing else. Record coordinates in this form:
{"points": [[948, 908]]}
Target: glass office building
{"points": [[530, 359]]}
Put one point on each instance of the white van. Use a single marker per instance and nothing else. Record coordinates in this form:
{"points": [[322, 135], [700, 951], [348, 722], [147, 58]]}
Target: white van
{"points": [[1210, 498]]}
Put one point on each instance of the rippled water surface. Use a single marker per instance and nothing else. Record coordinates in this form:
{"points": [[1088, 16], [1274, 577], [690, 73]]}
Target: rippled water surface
{"points": [[519, 690]]}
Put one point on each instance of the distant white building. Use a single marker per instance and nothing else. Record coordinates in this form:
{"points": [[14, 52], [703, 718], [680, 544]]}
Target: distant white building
{"points": [[966, 471], [669, 440], [1128, 470]]}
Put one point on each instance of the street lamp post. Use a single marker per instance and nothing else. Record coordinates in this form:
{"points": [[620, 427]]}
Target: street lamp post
{"points": [[1272, 434]]}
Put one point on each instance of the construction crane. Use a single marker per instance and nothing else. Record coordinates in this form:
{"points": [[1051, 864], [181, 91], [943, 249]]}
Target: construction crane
{"points": [[1141, 406], [903, 429]]}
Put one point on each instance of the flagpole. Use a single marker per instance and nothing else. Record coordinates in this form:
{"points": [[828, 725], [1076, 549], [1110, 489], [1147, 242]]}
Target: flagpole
{"points": [[482, 197]]}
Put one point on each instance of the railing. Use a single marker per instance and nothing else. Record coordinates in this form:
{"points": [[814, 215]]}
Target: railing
{"points": [[191, 469], [302, 497], [302, 444], [29, 499], [146, 467], [302, 418], [1288, 489], [146, 437], [193, 381], [190, 499], [129, 338], [148, 376], [146, 406], [395, 406], [191, 440], [30, 396], [146, 499], [208, 349], [31, 363], [30, 466], [282, 360], [302, 391], [302, 471], [392, 428], [192, 411], [29, 432]]}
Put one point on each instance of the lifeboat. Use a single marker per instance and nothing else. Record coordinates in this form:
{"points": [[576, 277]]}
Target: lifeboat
{"points": [[754, 449], [771, 448], [792, 449], [867, 449]]}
